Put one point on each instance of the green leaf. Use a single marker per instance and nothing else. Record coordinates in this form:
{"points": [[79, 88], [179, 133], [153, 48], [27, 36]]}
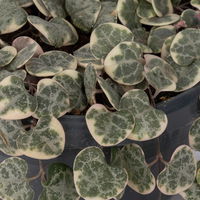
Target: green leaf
{"points": [[140, 176], [161, 21], [145, 9], [13, 181], [111, 93], [60, 184], [194, 135], [180, 172], [122, 63], [160, 74], [185, 46], [20, 73], [158, 35], [106, 36], [45, 141], [83, 13], [12, 17], [72, 81], [90, 81], [15, 101], [94, 179], [84, 57], [9, 132], [127, 13], [52, 99], [149, 122], [41, 7], [195, 3], [109, 128], [7, 54], [165, 51], [57, 32], [23, 56], [192, 193], [51, 63], [190, 18], [162, 7]]}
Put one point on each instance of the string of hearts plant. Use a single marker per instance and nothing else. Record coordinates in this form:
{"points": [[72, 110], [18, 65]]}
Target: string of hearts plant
{"points": [[137, 49]]}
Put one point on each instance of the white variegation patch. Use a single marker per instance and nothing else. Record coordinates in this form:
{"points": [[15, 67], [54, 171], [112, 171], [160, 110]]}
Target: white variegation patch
{"points": [[20, 73], [165, 50], [7, 54]]}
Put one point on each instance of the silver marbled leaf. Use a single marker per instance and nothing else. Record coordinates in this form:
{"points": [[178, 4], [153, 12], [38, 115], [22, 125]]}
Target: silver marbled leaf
{"points": [[162, 7], [190, 18], [7, 54], [20, 73], [165, 50], [145, 9]]}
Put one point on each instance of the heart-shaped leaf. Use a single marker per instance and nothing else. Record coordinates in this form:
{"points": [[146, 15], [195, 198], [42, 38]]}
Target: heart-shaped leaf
{"points": [[51, 63], [165, 51], [195, 3], [194, 135], [158, 35], [190, 18], [60, 184], [161, 21], [111, 93], [162, 7], [52, 99], [145, 9], [122, 64], [106, 36], [41, 7], [83, 13], [12, 17], [9, 132], [14, 184], [185, 46], [84, 57], [180, 172], [23, 56], [140, 177], [94, 178], [72, 81], [45, 141], [20, 73], [57, 32], [23, 41], [127, 13], [149, 122], [55, 7], [109, 128], [15, 101], [90, 81], [7, 54]]}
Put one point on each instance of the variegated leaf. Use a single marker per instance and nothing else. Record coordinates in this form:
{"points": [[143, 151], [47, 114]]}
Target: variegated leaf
{"points": [[60, 184], [106, 36], [158, 35], [20, 73], [184, 81], [9, 132], [57, 32], [55, 7], [149, 122], [194, 135], [15, 101], [109, 128], [45, 141], [24, 3], [145, 9], [51, 63], [160, 74], [111, 93], [90, 81], [23, 56], [190, 18], [72, 81], [107, 13], [127, 13], [162, 7], [195, 3], [83, 13], [122, 64], [41, 7], [12, 17], [140, 176], [14, 184], [52, 99], [161, 21], [23, 41], [84, 57], [94, 178], [7, 54], [165, 51], [185, 46], [193, 193], [179, 173]]}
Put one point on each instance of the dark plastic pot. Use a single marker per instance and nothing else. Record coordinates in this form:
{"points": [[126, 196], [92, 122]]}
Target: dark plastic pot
{"points": [[181, 111]]}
